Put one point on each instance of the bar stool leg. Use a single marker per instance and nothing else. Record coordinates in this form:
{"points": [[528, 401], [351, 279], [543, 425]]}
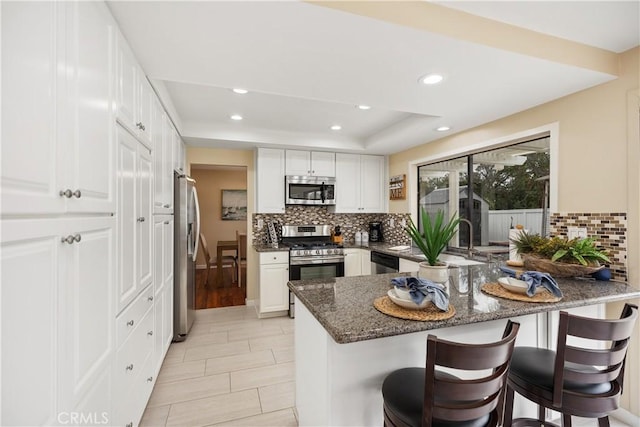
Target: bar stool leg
{"points": [[603, 422], [566, 420], [508, 407]]}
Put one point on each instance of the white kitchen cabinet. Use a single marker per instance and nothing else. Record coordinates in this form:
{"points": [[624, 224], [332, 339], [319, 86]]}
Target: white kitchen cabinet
{"points": [[352, 262], [360, 183], [178, 151], [270, 172], [273, 278], [134, 217], [60, 294], [133, 368], [134, 96], [162, 280], [162, 170], [407, 266], [365, 262], [357, 262], [317, 163], [58, 149]]}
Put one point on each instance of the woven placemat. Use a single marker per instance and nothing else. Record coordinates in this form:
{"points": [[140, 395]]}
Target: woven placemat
{"points": [[429, 313], [498, 291]]}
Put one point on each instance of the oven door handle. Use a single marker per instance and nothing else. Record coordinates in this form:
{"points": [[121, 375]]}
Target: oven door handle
{"points": [[316, 260]]}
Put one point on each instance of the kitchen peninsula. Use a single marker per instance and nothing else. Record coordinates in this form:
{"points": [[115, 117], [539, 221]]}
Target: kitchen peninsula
{"points": [[345, 347]]}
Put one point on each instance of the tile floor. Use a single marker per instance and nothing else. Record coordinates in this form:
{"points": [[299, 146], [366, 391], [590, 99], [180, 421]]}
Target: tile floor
{"points": [[233, 370]]}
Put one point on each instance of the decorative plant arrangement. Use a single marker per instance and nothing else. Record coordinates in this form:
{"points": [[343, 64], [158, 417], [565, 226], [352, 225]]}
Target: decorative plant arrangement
{"points": [[559, 256], [431, 242], [435, 236]]}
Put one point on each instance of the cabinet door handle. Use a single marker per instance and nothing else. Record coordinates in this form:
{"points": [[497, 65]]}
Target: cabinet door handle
{"points": [[139, 125], [77, 194], [70, 239], [149, 379], [166, 222], [150, 333], [141, 219], [130, 424], [130, 323], [129, 367], [66, 193], [167, 205], [150, 298]]}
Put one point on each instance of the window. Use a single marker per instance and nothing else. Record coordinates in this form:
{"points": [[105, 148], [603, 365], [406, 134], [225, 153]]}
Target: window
{"points": [[510, 186]]}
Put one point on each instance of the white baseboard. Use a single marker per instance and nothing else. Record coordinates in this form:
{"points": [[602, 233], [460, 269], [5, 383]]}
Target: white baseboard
{"points": [[250, 302], [626, 417]]}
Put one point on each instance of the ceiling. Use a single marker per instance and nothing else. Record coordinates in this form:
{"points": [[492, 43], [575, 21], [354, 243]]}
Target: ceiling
{"points": [[308, 65]]}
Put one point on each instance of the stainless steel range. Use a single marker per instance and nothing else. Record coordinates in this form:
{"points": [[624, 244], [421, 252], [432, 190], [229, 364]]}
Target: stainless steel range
{"points": [[312, 254]]}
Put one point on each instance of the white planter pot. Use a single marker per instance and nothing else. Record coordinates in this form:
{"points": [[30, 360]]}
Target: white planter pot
{"points": [[435, 273]]}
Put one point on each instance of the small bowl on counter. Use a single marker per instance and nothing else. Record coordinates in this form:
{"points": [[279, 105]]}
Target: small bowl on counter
{"points": [[402, 298], [516, 285]]}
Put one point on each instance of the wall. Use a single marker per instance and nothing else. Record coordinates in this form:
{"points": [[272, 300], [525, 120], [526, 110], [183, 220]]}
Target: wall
{"points": [[210, 183], [598, 158], [216, 156]]}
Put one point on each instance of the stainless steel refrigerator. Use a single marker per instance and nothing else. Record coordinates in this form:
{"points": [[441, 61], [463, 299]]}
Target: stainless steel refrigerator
{"points": [[186, 239]]}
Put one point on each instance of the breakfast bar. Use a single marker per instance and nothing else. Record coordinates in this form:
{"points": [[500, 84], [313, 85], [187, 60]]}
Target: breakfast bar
{"points": [[345, 347]]}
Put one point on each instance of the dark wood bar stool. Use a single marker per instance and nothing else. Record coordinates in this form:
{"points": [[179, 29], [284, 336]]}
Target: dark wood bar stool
{"points": [[574, 380], [430, 397]]}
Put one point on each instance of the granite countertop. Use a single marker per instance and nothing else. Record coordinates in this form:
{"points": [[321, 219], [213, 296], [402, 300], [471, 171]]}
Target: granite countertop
{"points": [[268, 248], [344, 305]]}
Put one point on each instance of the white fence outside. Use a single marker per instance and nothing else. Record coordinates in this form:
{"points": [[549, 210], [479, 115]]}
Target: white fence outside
{"points": [[500, 221]]}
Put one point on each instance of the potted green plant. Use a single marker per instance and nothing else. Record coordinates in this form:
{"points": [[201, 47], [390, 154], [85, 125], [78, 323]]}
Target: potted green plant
{"points": [[433, 239], [559, 256]]}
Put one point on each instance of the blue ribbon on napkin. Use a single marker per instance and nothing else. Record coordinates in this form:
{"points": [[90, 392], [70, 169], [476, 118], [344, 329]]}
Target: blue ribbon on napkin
{"points": [[419, 288], [535, 279]]}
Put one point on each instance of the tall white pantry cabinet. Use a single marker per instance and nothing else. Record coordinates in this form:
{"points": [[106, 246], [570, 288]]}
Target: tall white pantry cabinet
{"points": [[86, 295]]}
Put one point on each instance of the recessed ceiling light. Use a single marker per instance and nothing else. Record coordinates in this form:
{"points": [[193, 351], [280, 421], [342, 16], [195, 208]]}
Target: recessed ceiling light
{"points": [[443, 128], [336, 127], [364, 107], [240, 91], [431, 79], [236, 117]]}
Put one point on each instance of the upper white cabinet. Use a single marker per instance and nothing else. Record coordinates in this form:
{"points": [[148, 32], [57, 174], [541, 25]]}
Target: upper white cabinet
{"points": [[57, 136], [317, 163], [135, 97], [360, 183], [270, 174]]}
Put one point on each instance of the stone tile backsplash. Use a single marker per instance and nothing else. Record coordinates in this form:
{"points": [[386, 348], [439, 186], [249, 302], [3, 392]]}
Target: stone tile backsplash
{"points": [[608, 229], [349, 223]]}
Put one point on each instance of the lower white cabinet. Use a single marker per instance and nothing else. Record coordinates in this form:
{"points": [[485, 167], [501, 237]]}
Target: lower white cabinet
{"points": [[133, 368], [274, 275], [407, 266], [163, 287], [56, 311], [357, 262]]}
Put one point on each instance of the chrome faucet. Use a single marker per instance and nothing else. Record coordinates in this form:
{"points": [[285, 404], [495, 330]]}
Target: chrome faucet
{"points": [[470, 247]]}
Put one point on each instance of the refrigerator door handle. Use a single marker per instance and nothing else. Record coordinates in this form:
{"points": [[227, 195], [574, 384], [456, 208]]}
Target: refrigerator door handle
{"points": [[197, 207]]}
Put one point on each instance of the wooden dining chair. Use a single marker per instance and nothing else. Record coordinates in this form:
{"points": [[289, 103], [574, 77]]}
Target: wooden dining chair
{"points": [[241, 258], [575, 380], [430, 397], [226, 260]]}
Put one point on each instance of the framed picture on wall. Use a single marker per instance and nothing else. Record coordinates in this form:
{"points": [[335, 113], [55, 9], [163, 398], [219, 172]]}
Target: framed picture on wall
{"points": [[234, 205]]}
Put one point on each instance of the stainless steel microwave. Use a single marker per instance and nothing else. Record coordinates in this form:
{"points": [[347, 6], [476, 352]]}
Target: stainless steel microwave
{"points": [[310, 190]]}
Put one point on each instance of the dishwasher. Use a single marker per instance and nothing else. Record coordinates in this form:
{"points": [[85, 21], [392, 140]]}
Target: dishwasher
{"points": [[384, 263]]}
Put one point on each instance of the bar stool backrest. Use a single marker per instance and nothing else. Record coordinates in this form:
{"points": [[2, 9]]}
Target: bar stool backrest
{"points": [[584, 365], [454, 399]]}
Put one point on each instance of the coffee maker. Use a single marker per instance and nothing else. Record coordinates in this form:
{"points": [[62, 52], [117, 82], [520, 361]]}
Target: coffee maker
{"points": [[375, 231]]}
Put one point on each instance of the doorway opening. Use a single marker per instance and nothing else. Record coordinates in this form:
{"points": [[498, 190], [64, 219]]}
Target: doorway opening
{"points": [[221, 273]]}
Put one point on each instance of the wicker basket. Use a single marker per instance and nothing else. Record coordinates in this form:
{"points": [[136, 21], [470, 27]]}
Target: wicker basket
{"points": [[557, 269]]}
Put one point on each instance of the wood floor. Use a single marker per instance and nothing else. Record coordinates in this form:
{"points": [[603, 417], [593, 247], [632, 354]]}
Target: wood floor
{"points": [[225, 294]]}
